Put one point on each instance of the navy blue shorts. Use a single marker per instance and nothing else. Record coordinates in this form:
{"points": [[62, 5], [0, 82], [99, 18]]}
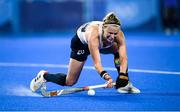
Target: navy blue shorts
{"points": [[79, 51]]}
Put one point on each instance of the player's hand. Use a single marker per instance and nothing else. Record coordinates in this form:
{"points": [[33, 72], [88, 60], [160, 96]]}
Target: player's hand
{"points": [[122, 80], [109, 81]]}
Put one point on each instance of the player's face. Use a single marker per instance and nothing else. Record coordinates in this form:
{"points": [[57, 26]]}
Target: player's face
{"points": [[110, 33]]}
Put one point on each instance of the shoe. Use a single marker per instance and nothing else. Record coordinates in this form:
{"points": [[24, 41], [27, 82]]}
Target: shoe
{"points": [[38, 81], [129, 88]]}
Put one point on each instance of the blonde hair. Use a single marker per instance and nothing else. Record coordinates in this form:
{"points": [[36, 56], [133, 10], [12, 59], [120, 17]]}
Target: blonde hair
{"points": [[111, 18]]}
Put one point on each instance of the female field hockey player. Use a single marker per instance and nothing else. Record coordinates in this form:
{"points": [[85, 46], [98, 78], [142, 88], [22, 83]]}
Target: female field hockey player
{"points": [[93, 38]]}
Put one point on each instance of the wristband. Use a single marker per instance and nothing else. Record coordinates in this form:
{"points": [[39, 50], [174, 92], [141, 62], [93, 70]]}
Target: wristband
{"points": [[103, 73]]}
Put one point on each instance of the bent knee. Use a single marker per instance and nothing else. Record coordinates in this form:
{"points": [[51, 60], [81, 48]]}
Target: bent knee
{"points": [[70, 83]]}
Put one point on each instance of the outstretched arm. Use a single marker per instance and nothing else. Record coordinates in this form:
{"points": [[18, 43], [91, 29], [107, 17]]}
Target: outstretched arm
{"points": [[93, 44]]}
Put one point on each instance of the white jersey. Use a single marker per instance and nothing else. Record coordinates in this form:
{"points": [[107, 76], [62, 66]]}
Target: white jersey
{"points": [[81, 33]]}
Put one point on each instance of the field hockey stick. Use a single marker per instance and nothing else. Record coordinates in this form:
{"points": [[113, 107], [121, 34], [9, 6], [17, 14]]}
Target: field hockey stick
{"points": [[69, 90]]}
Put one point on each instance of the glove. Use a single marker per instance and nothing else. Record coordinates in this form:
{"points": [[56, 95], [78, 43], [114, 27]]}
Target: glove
{"points": [[122, 80]]}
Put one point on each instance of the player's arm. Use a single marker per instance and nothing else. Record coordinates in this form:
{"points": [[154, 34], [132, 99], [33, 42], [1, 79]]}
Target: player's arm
{"points": [[122, 79], [122, 52], [93, 44]]}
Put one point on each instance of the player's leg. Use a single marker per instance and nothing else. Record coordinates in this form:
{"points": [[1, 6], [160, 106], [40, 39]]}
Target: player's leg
{"points": [[62, 79], [74, 71], [72, 76], [79, 54]]}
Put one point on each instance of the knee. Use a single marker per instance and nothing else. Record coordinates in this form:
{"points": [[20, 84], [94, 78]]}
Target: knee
{"points": [[70, 83]]}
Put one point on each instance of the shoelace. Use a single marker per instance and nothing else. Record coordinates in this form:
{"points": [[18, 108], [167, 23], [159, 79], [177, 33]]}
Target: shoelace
{"points": [[37, 78]]}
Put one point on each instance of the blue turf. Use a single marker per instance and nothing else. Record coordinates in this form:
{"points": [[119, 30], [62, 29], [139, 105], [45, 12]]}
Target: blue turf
{"points": [[145, 51]]}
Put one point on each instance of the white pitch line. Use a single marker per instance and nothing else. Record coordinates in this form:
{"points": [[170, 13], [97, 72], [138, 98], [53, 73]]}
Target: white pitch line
{"points": [[6, 64]]}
